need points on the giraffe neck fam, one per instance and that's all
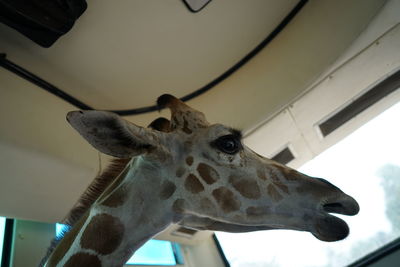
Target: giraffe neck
(124, 217)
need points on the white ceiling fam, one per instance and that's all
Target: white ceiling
(124, 54)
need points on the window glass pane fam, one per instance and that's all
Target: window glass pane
(59, 228)
(2, 227)
(153, 252)
(366, 165)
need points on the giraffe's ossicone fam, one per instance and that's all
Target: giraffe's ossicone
(187, 171)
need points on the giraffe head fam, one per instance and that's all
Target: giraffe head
(211, 180)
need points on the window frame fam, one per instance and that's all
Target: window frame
(7, 242)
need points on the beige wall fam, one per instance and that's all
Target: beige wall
(30, 242)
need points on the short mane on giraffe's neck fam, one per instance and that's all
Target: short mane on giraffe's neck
(98, 237)
(94, 190)
(99, 184)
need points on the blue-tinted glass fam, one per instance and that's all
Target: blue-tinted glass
(2, 227)
(60, 228)
(154, 252)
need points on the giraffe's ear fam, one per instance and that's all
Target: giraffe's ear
(111, 134)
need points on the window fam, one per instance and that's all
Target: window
(365, 165)
(154, 252)
(2, 228)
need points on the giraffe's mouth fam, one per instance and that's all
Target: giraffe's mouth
(346, 206)
(330, 228)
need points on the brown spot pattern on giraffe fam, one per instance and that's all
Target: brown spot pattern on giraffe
(276, 181)
(257, 211)
(281, 186)
(193, 185)
(208, 205)
(175, 123)
(273, 193)
(261, 174)
(179, 205)
(246, 187)
(207, 173)
(167, 190)
(274, 177)
(226, 199)
(65, 243)
(83, 259)
(189, 160)
(288, 173)
(117, 198)
(186, 127)
(103, 234)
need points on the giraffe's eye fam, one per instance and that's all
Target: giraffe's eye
(228, 144)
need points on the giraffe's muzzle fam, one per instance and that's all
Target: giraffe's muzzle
(330, 228)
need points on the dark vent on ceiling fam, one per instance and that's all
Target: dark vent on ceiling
(285, 156)
(185, 232)
(366, 100)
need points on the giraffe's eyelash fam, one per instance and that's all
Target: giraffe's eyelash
(237, 133)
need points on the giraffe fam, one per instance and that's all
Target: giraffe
(189, 172)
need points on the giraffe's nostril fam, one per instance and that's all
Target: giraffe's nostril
(345, 206)
(333, 207)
